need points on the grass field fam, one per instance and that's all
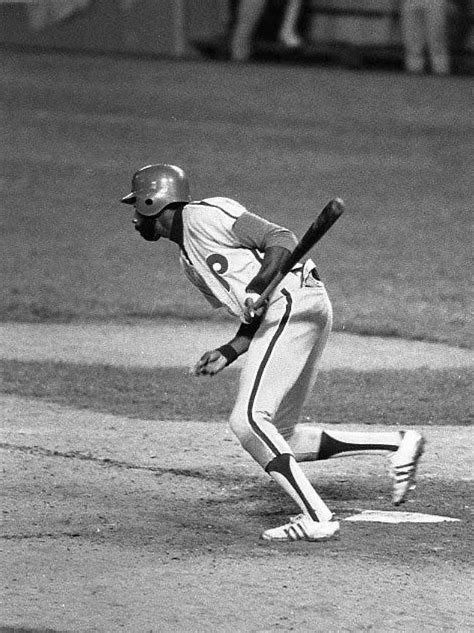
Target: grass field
(281, 139)
(418, 397)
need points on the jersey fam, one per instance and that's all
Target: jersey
(222, 247)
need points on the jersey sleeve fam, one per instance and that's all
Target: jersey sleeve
(255, 232)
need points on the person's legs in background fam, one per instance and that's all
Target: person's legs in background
(437, 40)
(412, 25)
(289, 28)
(247, 16)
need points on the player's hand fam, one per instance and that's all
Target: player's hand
(210, 364)
(250, 313)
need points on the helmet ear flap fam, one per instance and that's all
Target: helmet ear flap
(149, 206)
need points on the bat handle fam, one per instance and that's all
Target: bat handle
(268, 291)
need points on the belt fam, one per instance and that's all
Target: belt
(299, 269)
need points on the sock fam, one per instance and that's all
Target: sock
(288, 474)
(335, 443)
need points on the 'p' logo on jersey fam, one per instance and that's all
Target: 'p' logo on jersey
(218, 265)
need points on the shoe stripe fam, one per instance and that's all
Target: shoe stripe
(289, 533)
(404, 475)
(295, 535)
(304, 532)
(409, 465)
(298, 532)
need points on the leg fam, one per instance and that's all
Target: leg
(285, 340)
(404, 448)
(413, 35)
(307, 441)
(437, 17)
(248, 13)
(310, 443)
(288, 31)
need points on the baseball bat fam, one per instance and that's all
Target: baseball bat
(331, 212)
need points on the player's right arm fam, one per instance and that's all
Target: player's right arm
(274, 242)
(271, 243)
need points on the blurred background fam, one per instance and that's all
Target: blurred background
(356, 33)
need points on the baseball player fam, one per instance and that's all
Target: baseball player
(230, 255)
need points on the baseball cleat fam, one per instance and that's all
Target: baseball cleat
(403, 464)
(302, 528)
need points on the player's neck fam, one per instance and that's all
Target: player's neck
(176, 224)
(165, 222)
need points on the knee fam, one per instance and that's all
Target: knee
(260, 438)
(241, 427)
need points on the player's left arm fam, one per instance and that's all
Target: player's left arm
(214, 361)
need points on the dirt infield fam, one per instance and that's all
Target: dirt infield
(114, 524)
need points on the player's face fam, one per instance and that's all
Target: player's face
(149, 228)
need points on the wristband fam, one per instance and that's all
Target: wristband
(228, 352)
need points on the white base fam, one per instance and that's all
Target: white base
(393, 516)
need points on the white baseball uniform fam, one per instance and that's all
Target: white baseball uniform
(222, 247)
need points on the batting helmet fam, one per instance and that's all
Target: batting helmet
(154, 187)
